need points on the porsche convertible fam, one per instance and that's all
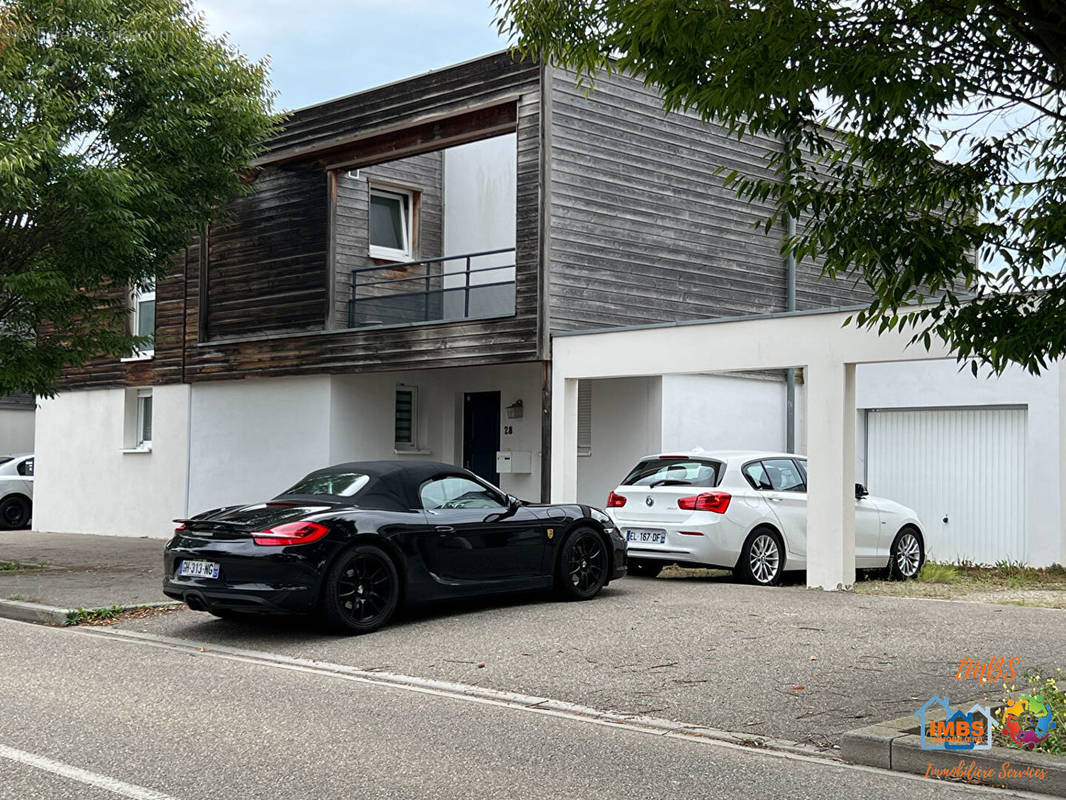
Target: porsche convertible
(356, 541)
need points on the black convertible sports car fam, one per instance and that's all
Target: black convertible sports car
(355, 541)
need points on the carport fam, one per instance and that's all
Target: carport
(817, 341)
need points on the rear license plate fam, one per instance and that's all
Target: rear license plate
(645, 536)
(198, 569)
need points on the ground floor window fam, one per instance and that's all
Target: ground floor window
(138, 421)
(406, 418)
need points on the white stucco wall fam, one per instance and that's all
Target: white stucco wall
(626, 424)
(252, 439)
(16, 430)
(85, 483)
(723, 412)
(941, 384)
(362, 416)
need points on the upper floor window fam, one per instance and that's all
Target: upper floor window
(391, 224)
(142, 301)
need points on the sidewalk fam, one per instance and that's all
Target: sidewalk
(81, 571)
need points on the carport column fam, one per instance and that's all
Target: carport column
(831, 475)
(564, 438)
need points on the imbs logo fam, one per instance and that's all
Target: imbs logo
(958, 730)
(1027, 721)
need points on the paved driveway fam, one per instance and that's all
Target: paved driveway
(697, 650)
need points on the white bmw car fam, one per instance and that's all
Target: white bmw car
(746, 511)
(16, 491)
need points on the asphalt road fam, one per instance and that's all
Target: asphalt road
(81, 709)
(787, 662)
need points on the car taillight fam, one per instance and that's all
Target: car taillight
(180, 528)
(717, 502)
(291, 533)
(615, 500)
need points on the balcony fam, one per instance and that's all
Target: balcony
(446, 289)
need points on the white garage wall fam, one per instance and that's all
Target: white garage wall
(16, 430)
(723, 412)
(941, 384)
(84, 483)
(254, 438)
(626, 424)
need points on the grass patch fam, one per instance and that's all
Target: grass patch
(110, 614)
(78, 616)
(18, 566)
(1005, 583)
(935, 572)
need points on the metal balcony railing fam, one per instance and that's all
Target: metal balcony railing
(441, 291)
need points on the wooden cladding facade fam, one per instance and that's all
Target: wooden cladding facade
(266, 300)
(622, 218)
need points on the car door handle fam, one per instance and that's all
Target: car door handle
(775, 499)
(443, 529)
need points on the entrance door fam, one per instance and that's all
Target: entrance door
(481, 434)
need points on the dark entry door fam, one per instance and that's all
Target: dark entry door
(481, 434)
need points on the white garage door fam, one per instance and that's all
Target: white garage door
(962, 470)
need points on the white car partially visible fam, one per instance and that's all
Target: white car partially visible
(16, 491)
(746, 511)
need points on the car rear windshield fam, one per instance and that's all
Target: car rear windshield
(335, 484)
(674, 472)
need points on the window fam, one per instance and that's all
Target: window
(584, 418)
(674, 472)
(144, 419)
(448, 493)
(784, 475)
(335, 484)
(391, 231)
(757, 476)
(142, 300)
(406, 418)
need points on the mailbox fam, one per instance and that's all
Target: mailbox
(510, 461)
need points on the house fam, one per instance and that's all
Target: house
(391, 286)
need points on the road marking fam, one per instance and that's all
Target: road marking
(697, 734)
(81, 775)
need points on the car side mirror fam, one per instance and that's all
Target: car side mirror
(860, 491)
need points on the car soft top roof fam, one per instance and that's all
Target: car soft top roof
(393, 484)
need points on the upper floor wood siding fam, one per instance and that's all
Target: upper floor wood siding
(642, 228)
(263, 300)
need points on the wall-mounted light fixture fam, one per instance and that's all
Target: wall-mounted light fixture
(514, 411)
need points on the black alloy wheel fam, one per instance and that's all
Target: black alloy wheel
(362, 590)
(583, 563)
(644, 568)
(14, 513)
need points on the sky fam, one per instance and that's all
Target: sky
(321, 49)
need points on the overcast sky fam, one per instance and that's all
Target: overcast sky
(320, 49)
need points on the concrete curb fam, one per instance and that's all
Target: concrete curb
(54, 615)
(896, 745)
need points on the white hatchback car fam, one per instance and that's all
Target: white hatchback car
(746, 511)
(16, 491)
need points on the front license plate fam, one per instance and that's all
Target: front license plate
(645, 537)
(198, 569)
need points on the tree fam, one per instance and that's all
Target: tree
(124, 127)
(917, 134)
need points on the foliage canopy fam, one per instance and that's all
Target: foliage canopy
(916, 134)
(123, 128)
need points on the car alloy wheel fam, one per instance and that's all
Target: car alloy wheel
(762, 559)
(583, 565)
(907, 555)
(362, 591)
